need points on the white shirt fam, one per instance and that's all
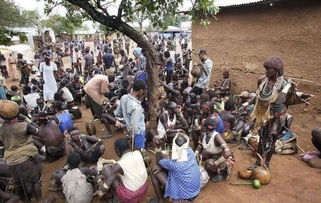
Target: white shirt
(67, 96)
(135, 173)
(204, 80)
(31, 99)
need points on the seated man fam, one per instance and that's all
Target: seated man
(62, 117)
(41, 107)
(49, 139)
(219, 159)
(179, 175)
(128, 176)
(30, 98)
(74, 182)
(167, 123)
(108, 116)
(90, 148)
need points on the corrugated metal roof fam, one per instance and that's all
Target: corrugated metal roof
(237, 3)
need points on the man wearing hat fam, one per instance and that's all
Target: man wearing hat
(20, 154)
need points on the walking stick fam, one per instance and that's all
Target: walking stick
(133, 137)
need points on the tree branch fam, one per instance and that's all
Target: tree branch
(101, 7)
(120, 9)
(140, 8)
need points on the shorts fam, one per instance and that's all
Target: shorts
(139, 140)
(128, 196)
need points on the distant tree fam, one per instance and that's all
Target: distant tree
(10, 17)
(60, 24)
(102, 12)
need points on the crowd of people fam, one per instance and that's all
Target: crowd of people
(197, 123)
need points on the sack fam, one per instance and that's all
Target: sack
(90, 127)
(75, 112)
(204, 176)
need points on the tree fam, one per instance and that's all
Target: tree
(60, 24)
(11, 16)
(175, 20)
(102, 12)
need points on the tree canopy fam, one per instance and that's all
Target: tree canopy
(11, 16)
(60, 24)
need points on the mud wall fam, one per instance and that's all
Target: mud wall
(240, 39)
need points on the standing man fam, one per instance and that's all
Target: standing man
(24, 69)
(131, 110)
(89, 59)
(12, 68)
(96, 88)
(48, 72)
(204, 80)
(108, 59)
(3, 66)
(20, 154)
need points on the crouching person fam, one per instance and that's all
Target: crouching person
(90, 148)
(218, 157)
(74, 183)
(179, 175)
(128, 176)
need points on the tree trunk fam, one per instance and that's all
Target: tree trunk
(118, 24)
(153, 93)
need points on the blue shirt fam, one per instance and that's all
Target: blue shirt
(220, 126)
(108, 60)
(184, 178)
(133, 113)
(65, 121)
(142, 76)
(169, 65)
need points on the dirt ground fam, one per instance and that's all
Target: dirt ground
(292, 180)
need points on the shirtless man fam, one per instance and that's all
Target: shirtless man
(90, 148)
(49, 140)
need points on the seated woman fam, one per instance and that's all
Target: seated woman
(62, 117)
(226, 84)
(167, 123)
(90, 148)
(229, 121)
(128, 176)
(179, 175)
(49, 140)
(219, 160)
